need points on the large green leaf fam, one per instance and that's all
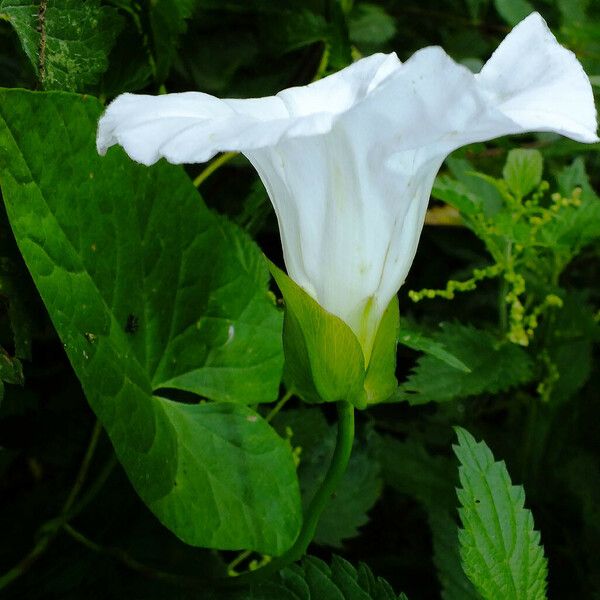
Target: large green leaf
(67, 41)
(150, 290)
(501, 551)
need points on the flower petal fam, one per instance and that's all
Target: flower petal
(339, 92)
(540, 85)
(187, 127)
(192, 127)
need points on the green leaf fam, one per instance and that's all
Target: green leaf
(315, 580)
(495, 365)
(11, 370)
(475, 7)
(168, 20)
(485, 189)
(370, 25)
(149, 290)
(67, 41)
(360, 487)
(574, 329)
(574, 227)
(293, 29)
(410, 469)
(413, 337)
(513, 11)
(523, 171)
(323, 358)
(446, 557)
(501, 551)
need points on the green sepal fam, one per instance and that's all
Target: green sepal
(324, 361)
(380, 380)
(323, 358)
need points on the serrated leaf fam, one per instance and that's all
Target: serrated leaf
(523, 171)
(500, 549)
(67, 41)
(168, 20)
(496, 365)
(446, 556)
(412, 337)
(313, 579)
(410, 469)
(150, 290)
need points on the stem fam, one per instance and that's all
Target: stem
(502, 308)
(132, 563)
(213, 166)
(279, 406)
(237, 560)
(24, 564)
(50, 529)
(84, 468)
(337, 468)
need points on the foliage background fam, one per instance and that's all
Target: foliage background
(535, 404)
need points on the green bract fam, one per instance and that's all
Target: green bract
(324, 361)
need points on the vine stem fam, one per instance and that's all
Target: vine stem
(213, 166)
(51, 528)
(337, 468)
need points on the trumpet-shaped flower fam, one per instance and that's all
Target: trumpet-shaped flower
(349, 161)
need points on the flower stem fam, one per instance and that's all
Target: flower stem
(213, 166)
(337, 468)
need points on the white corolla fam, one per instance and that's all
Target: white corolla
(349, 161)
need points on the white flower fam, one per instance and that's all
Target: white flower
(349, 161)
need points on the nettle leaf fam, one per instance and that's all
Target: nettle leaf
(523, 171)
(315, 580)
(67, 41)
(359, 489)
(413, 337)
(495, 366)
(148, 290)
(446, 557)
(410, 469)
(500, 549)
(168, 20)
